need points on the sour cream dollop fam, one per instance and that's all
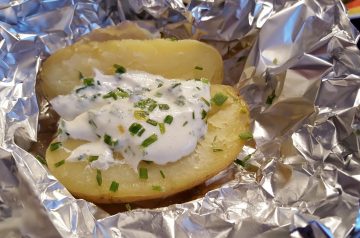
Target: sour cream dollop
(140, 115)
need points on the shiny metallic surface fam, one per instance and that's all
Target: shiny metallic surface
(296, 64)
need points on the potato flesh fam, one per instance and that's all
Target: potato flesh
(60, 72)
(225, 123)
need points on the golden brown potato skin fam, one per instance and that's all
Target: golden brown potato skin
(171, 59)
(225, 123)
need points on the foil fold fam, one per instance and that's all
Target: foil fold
(295, 63)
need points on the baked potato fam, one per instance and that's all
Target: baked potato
(171, 59)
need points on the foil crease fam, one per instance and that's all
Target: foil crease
(295, 63)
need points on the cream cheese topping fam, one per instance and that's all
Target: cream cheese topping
(139, 115)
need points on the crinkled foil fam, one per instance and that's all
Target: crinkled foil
(295, 62)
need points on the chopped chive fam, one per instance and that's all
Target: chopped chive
(135, 128)
(156, 188)
(92, 123)
(148, 141)
(198, 88)
(140, 115)
(110, 94)
(217, 150)
(114, 186)
(205, 101)
(162, 128)
(204, 80)
(198, 68)
(88, 82)
(119, 69)
(164, 107)
(81, 75)
(275, 61)
(180, 101)
(193, 115)
(152, 107)
(143, 173)
(98, 177)
(108, 140)
(185, 123)
(92, 158)
(175, 85)
(219, 99)
(148, 161)
(203, 114)
(271, 98)
(162, 174)
(141, 132)
(243, 161)
(56, 145)
(246, 136)
(128, 207)
(144, 103)
(168, 119)
(41, 159)
(160, 85)
(151, 122)
(158, 94)
(58, 164)
(79, 89)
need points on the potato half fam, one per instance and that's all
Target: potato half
(214, 153)
(171, 59)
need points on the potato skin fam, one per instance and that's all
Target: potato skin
(225, 123)
(171, 59)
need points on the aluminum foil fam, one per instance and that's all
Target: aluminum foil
(296, 64)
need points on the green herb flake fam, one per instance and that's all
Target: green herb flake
(270, 98)
(168, 119)
(164, 107)
(158, 94)
(152, 107)
(217, 150)
(204, 80)
(79, 89)
(81, 76)
(205, 101)
(135, 128)
(114, 186)
(157, 188)
(119, 69)
(162, 174)
(198, 68)
(246, 135)
(160, 85)
(88, 82)
(148, 141)
(58, 164)
(219, 99)
(92, 123)
(128, 207)
(92, 158)
(108, 140)
(41, 159)
(193, 115)
(144, 103)
(203, 114)
(98, 177)
(185, 123)
(151, 122)
(56, 145)
(143, 173)
(175, 85)
(141, 132)
(275, 61)
(148, 161)
(140, 115)
(162, 128)
(243, 161)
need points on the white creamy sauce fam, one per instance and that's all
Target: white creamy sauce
(140, 115)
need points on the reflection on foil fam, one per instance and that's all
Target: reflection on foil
(295, 62)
